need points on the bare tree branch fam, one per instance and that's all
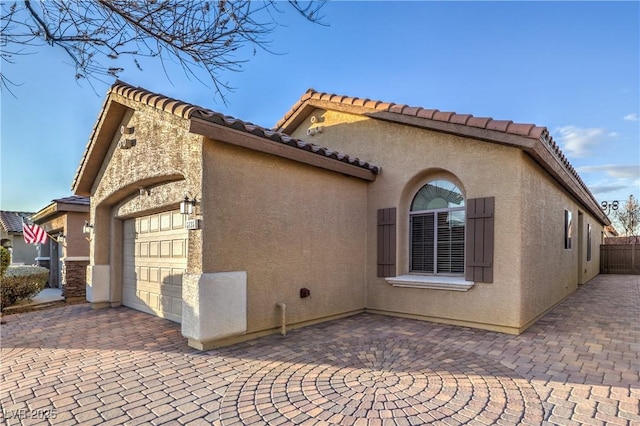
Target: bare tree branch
(199, 35)
(629, 217)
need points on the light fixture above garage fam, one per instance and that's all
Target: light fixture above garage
(87, 228)
(187, 205)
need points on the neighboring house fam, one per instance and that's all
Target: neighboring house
(635, 239)
(455, 219)
(609, 232)
(12, 239)
(68, 254)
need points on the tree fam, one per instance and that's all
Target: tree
(97, 34)
(629, 217)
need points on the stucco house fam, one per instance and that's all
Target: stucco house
(68, 249)
(348, 205)
(11, 237)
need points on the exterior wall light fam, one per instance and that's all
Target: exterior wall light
(187, 205)
(87, 228)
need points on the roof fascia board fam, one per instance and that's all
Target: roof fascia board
(423, 123)
(98, 146)
(300, 114)
(551, 164)
(536, 148)
(50, 210)
(56, 208)
(256, 143)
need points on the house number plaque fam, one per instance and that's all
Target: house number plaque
(192, 224)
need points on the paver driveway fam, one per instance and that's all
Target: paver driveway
(580, 364)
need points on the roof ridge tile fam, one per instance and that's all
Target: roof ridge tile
(460, 118)
(499, 125)
(427, 113)
(531, 131)
(443, 115)
(412, 111)
(397, 108)
(384, 106)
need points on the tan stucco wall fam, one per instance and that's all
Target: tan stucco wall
(76, 243)
(549, 271)
(289, 226)
(410, 157)
(74, 247)
(166, 161)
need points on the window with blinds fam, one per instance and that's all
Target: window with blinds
(437, 222)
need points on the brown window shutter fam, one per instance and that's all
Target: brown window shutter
(479, 240)
(387, 242)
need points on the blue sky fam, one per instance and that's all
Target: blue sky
(573, 67)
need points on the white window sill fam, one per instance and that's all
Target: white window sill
(433, 282)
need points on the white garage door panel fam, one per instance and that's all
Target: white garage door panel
(154, 260)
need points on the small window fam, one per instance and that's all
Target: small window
(437, 222)
(567, 229)
(589, 242)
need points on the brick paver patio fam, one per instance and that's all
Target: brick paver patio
(580, 364)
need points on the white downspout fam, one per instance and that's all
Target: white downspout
(283, 317)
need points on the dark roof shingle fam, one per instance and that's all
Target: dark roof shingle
(73, 199)
(12, 221)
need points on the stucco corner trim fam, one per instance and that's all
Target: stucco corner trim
(98, 284)
(432, 282)
(214, 307)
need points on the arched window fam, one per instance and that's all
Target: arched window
(437, 221)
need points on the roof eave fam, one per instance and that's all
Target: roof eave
(46, 212)
(107, 124)
(542, 154)
(541, 148)
(247, 140)
(56, 209)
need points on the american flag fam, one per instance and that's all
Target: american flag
(33, 234)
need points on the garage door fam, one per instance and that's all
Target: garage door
(154, 260)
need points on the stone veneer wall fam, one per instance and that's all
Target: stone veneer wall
(74, 279)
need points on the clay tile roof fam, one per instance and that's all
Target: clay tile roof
(347, 100)
(360, 102)
(12, 221)
(372, 104)
(411, 111)
(480, 122)
(384, 106)
(460, 118)
(504, 127)
(397, 108)
(499, 125)
(173, 106)
(188, 111)
(247, 127)
(520, 128)
(427, 113)
(442, 116)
